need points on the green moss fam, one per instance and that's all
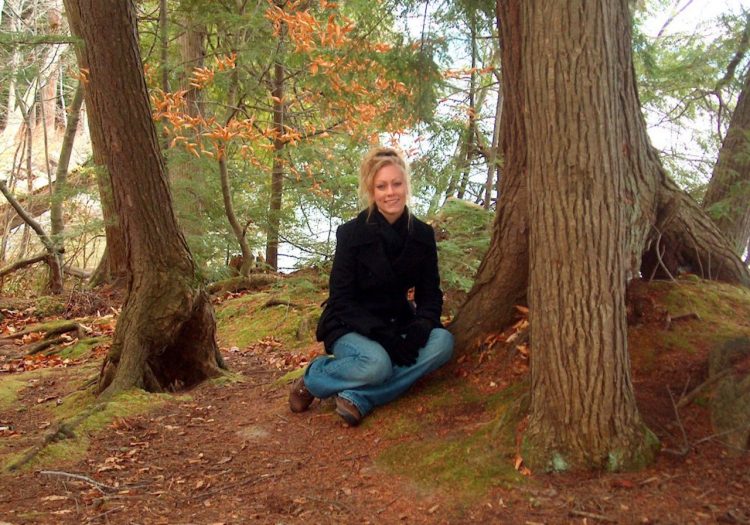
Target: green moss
(48, 325)
(11, 385)
(465, 463)
(246, 320)
(228, 378)
(96, 417)
(49, 305)
(9, 388)
(558, 463)
(83, 347)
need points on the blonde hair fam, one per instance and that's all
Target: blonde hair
(376, 159)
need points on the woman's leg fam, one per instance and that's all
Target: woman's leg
(436, 353)
(358, 362)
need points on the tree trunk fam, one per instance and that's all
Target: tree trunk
(493, 166)
(470, 131)
(165, 336)
(277, 171)
(728, 192)
(583, 410)
(226, 192)
(113, 268)
(658, 212)
(502, 277)
(189, 204)
(59, 191)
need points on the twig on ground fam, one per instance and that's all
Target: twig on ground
(383, 509)
(593, 516)
(686, 443)
(101, 487)
(689, 397)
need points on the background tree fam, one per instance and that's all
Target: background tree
(728, 194)
(165, 334)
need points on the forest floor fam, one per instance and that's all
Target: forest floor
(230, 451)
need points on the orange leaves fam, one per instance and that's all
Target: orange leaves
(304, 30)
(467, 72)
(382, 47)
(82, 76)
(201, 77)
(227, 62)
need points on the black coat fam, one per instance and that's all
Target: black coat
(367, 292)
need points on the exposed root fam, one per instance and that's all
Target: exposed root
(64, 430)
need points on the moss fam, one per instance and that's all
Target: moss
(49, 305)
(11, 385)
(9, 388)
(47, 326)
(465, 463)
(83, 346)
(558, 463)
(228, 378)
(126, 404)
(247, 319)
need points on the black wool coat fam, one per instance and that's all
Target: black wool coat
(367, 293)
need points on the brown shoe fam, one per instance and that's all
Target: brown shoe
(300, 397)
(348, 411)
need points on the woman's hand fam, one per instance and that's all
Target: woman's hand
(400, 352)
(418, 332)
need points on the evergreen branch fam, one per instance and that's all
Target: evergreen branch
(15, 38)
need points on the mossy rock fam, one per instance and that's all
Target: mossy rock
(730, 404)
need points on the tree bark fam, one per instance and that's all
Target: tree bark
(57, 225)
(239, 233)
(502, 277)
(583, 410)
(728, 192)
(277, 170)
(658, 212)
(165, 336)
(470, 147)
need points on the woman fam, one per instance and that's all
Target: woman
(381, 342)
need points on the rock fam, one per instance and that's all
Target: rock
(730, 404)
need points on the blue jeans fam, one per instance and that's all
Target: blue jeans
(361, 370)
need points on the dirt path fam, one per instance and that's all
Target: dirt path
(235, 454)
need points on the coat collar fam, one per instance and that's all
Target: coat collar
(366, 230)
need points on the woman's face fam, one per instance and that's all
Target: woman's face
(389, 192)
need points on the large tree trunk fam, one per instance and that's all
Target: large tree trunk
(659, 214)
(727, 198)
(113, 268)
(583, 410)
(165, 335)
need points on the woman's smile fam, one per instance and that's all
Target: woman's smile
(389, 192)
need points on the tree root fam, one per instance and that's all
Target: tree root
(37, 347)
(61, 329)
(274, 301)
(239, 284)
(64, 430)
